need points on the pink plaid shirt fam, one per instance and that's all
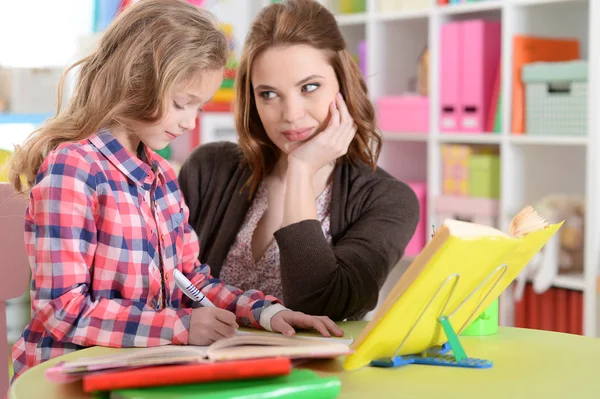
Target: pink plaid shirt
(101, 231)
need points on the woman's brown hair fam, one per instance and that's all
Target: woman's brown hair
(151, 46)
(289, 23)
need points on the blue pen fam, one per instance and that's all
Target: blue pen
(190, 289)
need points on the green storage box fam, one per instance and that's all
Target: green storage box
(556, 98)
(486, 324)
(300, 383)
(484, 176)
(352, 6)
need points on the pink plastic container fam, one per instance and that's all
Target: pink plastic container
(481, 49)
(362, 57)
(450, 55)
(406, 113)
(470, 55)
(419, 239)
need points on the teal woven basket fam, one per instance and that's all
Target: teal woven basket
(556, 98)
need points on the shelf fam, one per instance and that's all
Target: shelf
(541, 2)
(400, 136)
(351, 19)
(548, 140)
(403, 15)
(573, 281)
(466, 8)
(470, 138)
(466, 138)
(569, 281)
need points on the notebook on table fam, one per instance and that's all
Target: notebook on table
(178, 374)
(243, 346)
(299, 384)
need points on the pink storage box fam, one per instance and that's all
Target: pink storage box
(406, 113)
(470, 55)
(419, 239)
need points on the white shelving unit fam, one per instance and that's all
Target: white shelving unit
(531, 166)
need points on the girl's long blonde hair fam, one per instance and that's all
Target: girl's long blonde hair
(151, 45)
(300, 22)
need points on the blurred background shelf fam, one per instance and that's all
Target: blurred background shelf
(532, 167)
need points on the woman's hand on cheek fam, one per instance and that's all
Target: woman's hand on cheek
(331, 143)
(285, 321)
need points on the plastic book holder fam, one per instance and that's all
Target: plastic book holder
(440, 356)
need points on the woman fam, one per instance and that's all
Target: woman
(299, 209)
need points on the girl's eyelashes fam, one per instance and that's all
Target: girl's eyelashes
(182, 107)
(267, 95)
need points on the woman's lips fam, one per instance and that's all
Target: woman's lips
(297, 134)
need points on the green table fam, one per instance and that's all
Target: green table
(527, 364)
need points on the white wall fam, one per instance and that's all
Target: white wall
(42, 33)
(238, 13)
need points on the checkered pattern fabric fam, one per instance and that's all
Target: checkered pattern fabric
(104, 232)
(552, 110)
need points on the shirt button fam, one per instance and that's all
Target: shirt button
(155, 204)
(162, 237)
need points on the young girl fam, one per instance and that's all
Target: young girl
(301, 210)
(107, 225)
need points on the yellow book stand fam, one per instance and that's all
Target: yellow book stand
(459, 273)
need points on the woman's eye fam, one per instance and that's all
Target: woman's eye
(177, 105)
(267, 95)
(307, 88)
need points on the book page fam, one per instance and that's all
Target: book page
(462, 229)
(300, 349)
(247, 345)
(299, 335)
(274, 339)
(526, 221)
(139, 357)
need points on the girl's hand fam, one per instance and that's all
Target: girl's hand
(285, 321)
(328, 145)
(208, 325)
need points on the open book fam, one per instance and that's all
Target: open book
(244, 345)
(528, 220)
(458, 274)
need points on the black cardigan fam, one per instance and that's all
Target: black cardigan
(373, 217)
